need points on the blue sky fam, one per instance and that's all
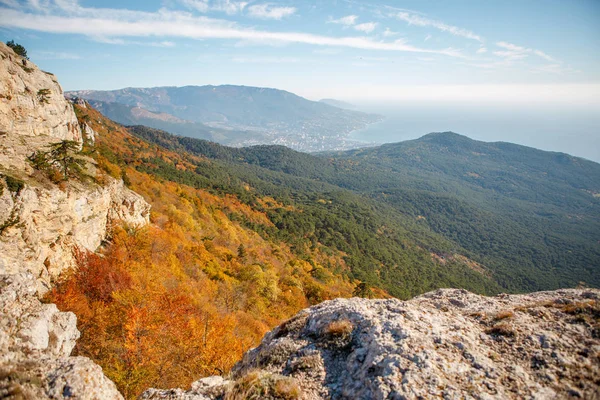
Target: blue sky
(529, 51)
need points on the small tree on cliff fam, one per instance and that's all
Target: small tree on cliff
(17, 48)
(63, 154)
(60, 161)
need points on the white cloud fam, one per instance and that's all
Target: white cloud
(114, 24)
(544, 55)
(366, 27)
(227, 6)
(10, 3)
(199, 5)
(348, 20)
(427, 37)
(267, 11)
(511, 55)
(515, 52)
(482, 50)
(418, 20)
(389, 33)
(164, 43)
(557, 69)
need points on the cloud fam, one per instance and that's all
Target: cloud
(10, 3)
(366, 27)
(427, 37)
(557, 69)
(122, 42)
(267, 11)
(348, 20)
(227, 6)
(482, 50)
(199, 5)
(389, 33)
(514, 52)
(118, 24)
(418, 20)
(543, 55)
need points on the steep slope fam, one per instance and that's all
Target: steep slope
(381, 246)
(45, 217)
(187, 295)
(444, 344)
(530, 217)
(268, 116)
(537, 213)
(41, 222)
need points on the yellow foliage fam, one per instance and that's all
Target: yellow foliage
(172, 302)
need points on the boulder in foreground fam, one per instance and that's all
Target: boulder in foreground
(448, 344)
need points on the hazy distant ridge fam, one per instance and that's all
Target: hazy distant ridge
(268, 116)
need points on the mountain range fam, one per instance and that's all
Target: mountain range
(234, 115)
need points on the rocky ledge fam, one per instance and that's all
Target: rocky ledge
(444, 344)
(35, 343)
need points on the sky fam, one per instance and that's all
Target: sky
(533, 51)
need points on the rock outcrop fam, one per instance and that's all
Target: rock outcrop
(51, 222)
(33, 110)
(35, 343)
(41, 224)
(444, 344)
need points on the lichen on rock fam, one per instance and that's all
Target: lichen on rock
(442, 344)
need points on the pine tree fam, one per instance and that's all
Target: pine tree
(17, 48)
(62, 154)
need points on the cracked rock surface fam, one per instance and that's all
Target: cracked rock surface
(444, 344)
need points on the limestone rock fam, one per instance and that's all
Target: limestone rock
(33, 111)
(52, 222)
(444, 344)
(35, 343)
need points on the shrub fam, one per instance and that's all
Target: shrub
(43, 95)
(506, 314)
(501, 329)
(13, 184)
(260, 385)
(338, 328)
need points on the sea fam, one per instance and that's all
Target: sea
(568, 129)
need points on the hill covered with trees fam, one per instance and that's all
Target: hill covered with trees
(243, 238)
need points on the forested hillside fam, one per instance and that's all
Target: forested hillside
(233, 249)
(532, 218)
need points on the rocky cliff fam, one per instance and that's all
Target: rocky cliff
(444, 344)
(41, 224)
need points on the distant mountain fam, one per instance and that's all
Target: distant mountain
(338, 103)
(133, 115)
(267, 116)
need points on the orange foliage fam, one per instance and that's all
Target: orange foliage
(166, 304)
